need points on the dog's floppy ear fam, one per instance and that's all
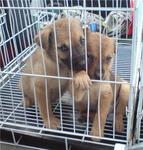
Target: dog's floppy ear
(112, 42)
(44, 37)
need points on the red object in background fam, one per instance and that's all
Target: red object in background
(130, 30)
(6, 56)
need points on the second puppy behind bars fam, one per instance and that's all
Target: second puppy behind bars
(101, 94)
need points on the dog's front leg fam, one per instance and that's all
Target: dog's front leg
(104, 103)
(121, 107)
(50, 121)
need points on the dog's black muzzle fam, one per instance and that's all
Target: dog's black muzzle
(98, 76)
(79, 62)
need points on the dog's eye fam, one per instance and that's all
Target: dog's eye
(63, 48)
(90, 58)
(82, 40)
(108, 58)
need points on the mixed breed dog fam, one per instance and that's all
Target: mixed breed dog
(53, 43)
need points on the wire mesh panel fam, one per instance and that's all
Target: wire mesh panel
(139, 134)
(139, 46)
(51, 52)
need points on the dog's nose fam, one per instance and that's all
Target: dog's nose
(98, 74)
(82, 62)
(79, 63)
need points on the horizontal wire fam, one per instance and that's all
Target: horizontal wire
(71, 8)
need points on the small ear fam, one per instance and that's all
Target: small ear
(112, 42)
(43, 38)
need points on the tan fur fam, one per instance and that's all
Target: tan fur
(107, 91)
(44, 86)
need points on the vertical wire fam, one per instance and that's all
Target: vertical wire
(5, 39)
(58, 72)
(11, 17)
(78, 3)
(133, 74)
(11, 89)
(64, 3)
(120, 34)
(7, 57)
(115, 86)
(32, 71)
(21, 24)
(33, 28)
(88, 94)
(58, 3)
(2, 51)
(71, 3)
(22, 90)
(120, 3)
(19, 67)
(2, 81)
(15, 28)
(140, 109)
(92, 15)
(1, 104)
(106, 10)
(73, 102)
(100, 58)
(29, 35)
(114, 98)
(12, 100)
(66, 144)
(2, 57)
(127, 16)
(45, 73)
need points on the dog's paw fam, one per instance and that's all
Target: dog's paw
(82, 80)
(26, 102)
(119, 126)
(95, 132)
(53, 123)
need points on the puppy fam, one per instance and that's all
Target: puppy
(100, 93)
(55, 44)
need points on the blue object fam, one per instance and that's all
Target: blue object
(93, 27)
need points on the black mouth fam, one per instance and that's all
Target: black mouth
(97, 77)
(90, 59)
(78, 63)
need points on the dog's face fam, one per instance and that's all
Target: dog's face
(101, 60)
(67, 37)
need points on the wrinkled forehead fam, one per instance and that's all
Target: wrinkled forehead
(108, 46)
(69, 28)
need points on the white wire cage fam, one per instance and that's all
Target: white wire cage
(21, 21)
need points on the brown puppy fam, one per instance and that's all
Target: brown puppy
(45, 90)
(100, 94)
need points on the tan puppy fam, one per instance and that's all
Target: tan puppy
(100, 94)
(44, 62)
